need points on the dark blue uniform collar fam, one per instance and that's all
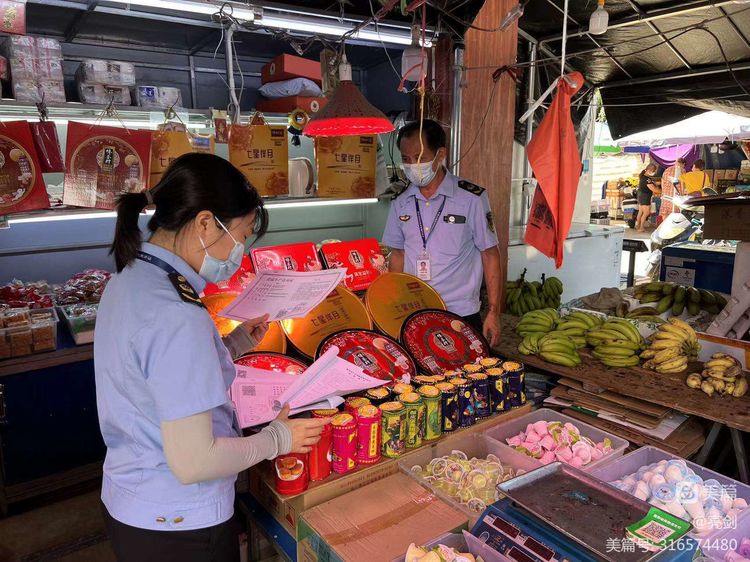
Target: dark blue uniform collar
(195, 280)
(447, 188)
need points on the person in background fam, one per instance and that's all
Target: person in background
(441, 229)
(693, 183)
(646, 189)
(174, 446)
(670, 182)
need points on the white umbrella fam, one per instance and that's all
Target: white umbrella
(711, 127)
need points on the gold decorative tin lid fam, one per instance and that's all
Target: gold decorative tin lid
(477, 376)
(340, 310)
(368, 411)
(472, 368)
(490, 362)
(274, 340)
(378, 392)
(495, 372)
(409, 398)
(216, 303)
(392, 297)
(401, 388)
(429, 391)
(391, 406)
(445, 387)
(342, 420)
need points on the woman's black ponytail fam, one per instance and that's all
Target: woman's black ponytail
(127, 233)
(193, 183)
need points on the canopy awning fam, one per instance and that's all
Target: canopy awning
(711, 127)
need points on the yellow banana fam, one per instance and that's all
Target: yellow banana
(666, 355)
(603, 334)
(720, 363)
(668, 328)
(612, 351)
(680, 361)
(673, 371)
(635, 335)
(648, 354)
(664, 344)
(680, 338)
(685, 327)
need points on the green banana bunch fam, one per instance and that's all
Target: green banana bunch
(616, 343)
(523, 296)
(677, 298)
(537, 321)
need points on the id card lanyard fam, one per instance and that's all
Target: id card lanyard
(424, 269)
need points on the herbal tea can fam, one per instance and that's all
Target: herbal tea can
(516, 393)
(393, 429)
(498, 389)
(291, 473)
(354, 403)
(433, 422)
(482, 407)
(415, 418)
(378, 396)
(321, 454)
(402, 388)
(489, 363)
(368, 434)
(465, 389)
(449, 406)
(344, 428)
(472, 368)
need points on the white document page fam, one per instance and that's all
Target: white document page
(283, 294)
(259, 395)
(329, 377)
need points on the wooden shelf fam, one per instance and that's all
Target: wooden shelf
(46, 360)
(667, 390)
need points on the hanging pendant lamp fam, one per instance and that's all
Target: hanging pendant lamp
(348, 112)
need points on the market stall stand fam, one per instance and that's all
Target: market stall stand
(663, 389)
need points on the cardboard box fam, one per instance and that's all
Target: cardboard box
(346, 166)
(287, 509)
(286, 67)
(287, 257)
(727, 217)
(310, 105)
(362, 259)
(376, 523)
(13, 16)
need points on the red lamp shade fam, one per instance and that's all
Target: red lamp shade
(348, 113)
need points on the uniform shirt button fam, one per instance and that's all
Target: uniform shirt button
(161, 520)
(427, 204)
(178, 519)
(427, 229)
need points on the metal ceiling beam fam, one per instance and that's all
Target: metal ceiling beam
(203, 42)
(651, 15)
(736, 29)
(79, 20)
(550, 53)
(633, 4)
(719, 69)
(591, 38)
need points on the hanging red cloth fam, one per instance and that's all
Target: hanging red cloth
(556, 162)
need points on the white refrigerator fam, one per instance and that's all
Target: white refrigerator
(593, 256)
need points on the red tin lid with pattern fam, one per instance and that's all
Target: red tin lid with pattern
(440, 341)
(272, 362)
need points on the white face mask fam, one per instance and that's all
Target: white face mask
(214, 270)
(420, 174)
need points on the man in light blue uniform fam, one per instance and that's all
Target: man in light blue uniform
(441, 229)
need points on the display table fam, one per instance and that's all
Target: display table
(664, 389)
(285, 510)
(49, 430)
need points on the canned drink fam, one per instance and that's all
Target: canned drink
(393, 429)
(498, 389)
(472, 368)
(368, 435)
(490, 363)
(465, 390)
(449, 406)
(344, 428)
(354, 403)
(516, 393)
(321, 454)
(482, 408)
(402, 388)
(378, 396)
(291, 474)
(433, 411)
(415, 418)
(320, 414)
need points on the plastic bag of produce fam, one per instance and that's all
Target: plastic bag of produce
(47, 146)
(21, 183)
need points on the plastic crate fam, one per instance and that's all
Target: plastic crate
(464, 543)
(725, 541)
(630, 463)
(514, 427)
(27, 332)
(473, 445)
(81, 321)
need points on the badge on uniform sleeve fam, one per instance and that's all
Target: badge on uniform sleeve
(490, 222)
(404, 218)
(185, 289)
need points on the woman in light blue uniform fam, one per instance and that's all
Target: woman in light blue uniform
(162, 371)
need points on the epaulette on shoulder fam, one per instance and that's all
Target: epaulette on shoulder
(470, 187)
